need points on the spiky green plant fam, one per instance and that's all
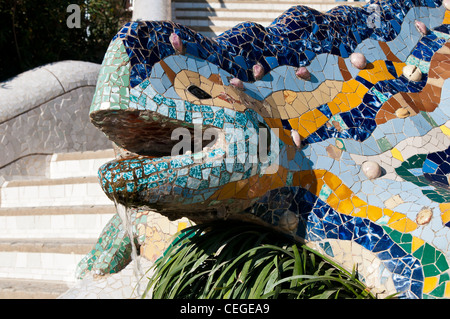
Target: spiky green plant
(241, 261)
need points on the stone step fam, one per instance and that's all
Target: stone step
(258, 4)
(217, 14)
(253, 9)
(47, 245)
(31, 289)
(226, 22)
(269, 12)
(71, 191)
(42, 260)
(54, 222)
(213, 17)
(78, 164)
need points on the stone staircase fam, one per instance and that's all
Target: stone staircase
(213, 17)
(48, 224)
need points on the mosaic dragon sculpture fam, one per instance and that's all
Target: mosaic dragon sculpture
(330, 127)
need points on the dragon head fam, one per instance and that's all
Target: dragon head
(193, 120)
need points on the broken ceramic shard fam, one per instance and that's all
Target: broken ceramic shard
(237, 83)
(177, 43)
(296, 138)
(421, 27)
(371, 169)
(447, 4)
(303, 73)
(258, 71)
(358, 60)
(424, 216)
(288, 221)
(412, 73)
(402, 113)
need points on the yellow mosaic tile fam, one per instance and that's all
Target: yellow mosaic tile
(430, 283)
(333, 201)
(342, 102)
(343, 192)
(387, 212)
(396, 154)
(350, 86)
(447, 287)
(445, 130)
(346, 206)
(334, 108)
(417, 243)
(306, 128)
(404, 225)
(447, 17)
(445, 212)
(355, 99)
(396, 217)
(410, 225)
(399, 68)
(181, 226)
(332, 180)
(374, 213)
(310, 122)
(360, 212)
(293, 122)
(344, 201)
(357, 202)
(361, 92)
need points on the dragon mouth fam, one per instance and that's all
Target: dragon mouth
(147, 134)
(152, 176)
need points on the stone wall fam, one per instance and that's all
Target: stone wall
(45, 111)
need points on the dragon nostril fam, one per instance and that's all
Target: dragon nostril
(198, 92)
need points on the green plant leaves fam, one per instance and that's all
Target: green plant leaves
(243, 261)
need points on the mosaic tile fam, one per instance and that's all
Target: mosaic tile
(292, 87)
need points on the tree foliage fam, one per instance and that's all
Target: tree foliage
(34, 33)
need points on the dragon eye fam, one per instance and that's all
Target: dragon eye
(198, 92)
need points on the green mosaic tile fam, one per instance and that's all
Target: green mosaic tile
(384, 144)
(429, 119)
(113, 80)
(444, 277)
(441, 262)
(430, 270)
